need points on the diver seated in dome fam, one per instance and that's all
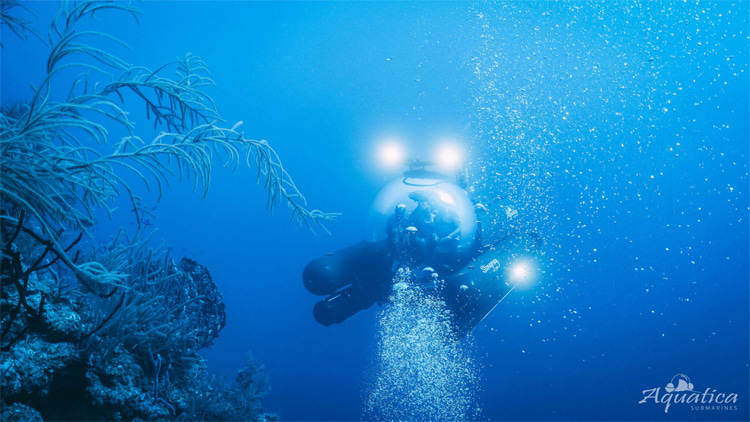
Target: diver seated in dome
(401, 236)
(407, 250)
(429, 235)
(406, 244)
(422, 218)
(448, 232)
(438, 224)
(447, 223)
(395, 226)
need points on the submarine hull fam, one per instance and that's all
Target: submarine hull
(342, 305)
(354, 278)
(360, 275)
(474, 291)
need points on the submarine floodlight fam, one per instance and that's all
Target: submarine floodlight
(449, 157)
(521, 272)
(391, 154)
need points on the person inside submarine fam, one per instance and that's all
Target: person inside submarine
(423, 222)
(427, 223)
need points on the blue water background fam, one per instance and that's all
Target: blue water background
(637, 113)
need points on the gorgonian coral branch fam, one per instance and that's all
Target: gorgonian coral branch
(54, 170)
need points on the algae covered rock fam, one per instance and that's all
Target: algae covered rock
(118, 387)
(204, 312)
(19, 412)
(61, 322)
(29, 365)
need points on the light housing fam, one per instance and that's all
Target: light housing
(521, 272)
(391, 154)
(449, 157)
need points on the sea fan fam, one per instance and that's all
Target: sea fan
(60, 166)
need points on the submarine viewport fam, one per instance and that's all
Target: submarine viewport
(446, 201)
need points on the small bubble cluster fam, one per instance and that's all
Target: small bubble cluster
(422, 371)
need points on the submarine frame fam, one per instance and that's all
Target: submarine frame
(477, 278)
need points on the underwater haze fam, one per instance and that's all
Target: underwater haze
(618, 131)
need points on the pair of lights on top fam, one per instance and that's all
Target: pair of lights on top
(392, 154)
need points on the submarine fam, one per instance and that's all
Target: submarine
(426, 222)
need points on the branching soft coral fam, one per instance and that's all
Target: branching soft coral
(55, 168)
(134, 318)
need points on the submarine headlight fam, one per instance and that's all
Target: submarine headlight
(521, 272)
(449, 157)
(391, 154)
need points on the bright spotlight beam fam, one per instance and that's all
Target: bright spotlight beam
(521, 272)
(449, 157)
(391, 154)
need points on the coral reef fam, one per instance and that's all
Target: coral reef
(205, 317)
(131, 356)
(111, 331)
(19, 412)
(29, 365)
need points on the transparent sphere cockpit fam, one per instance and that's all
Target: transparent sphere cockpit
(444, 204)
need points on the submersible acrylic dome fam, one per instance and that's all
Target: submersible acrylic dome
(407, 191)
